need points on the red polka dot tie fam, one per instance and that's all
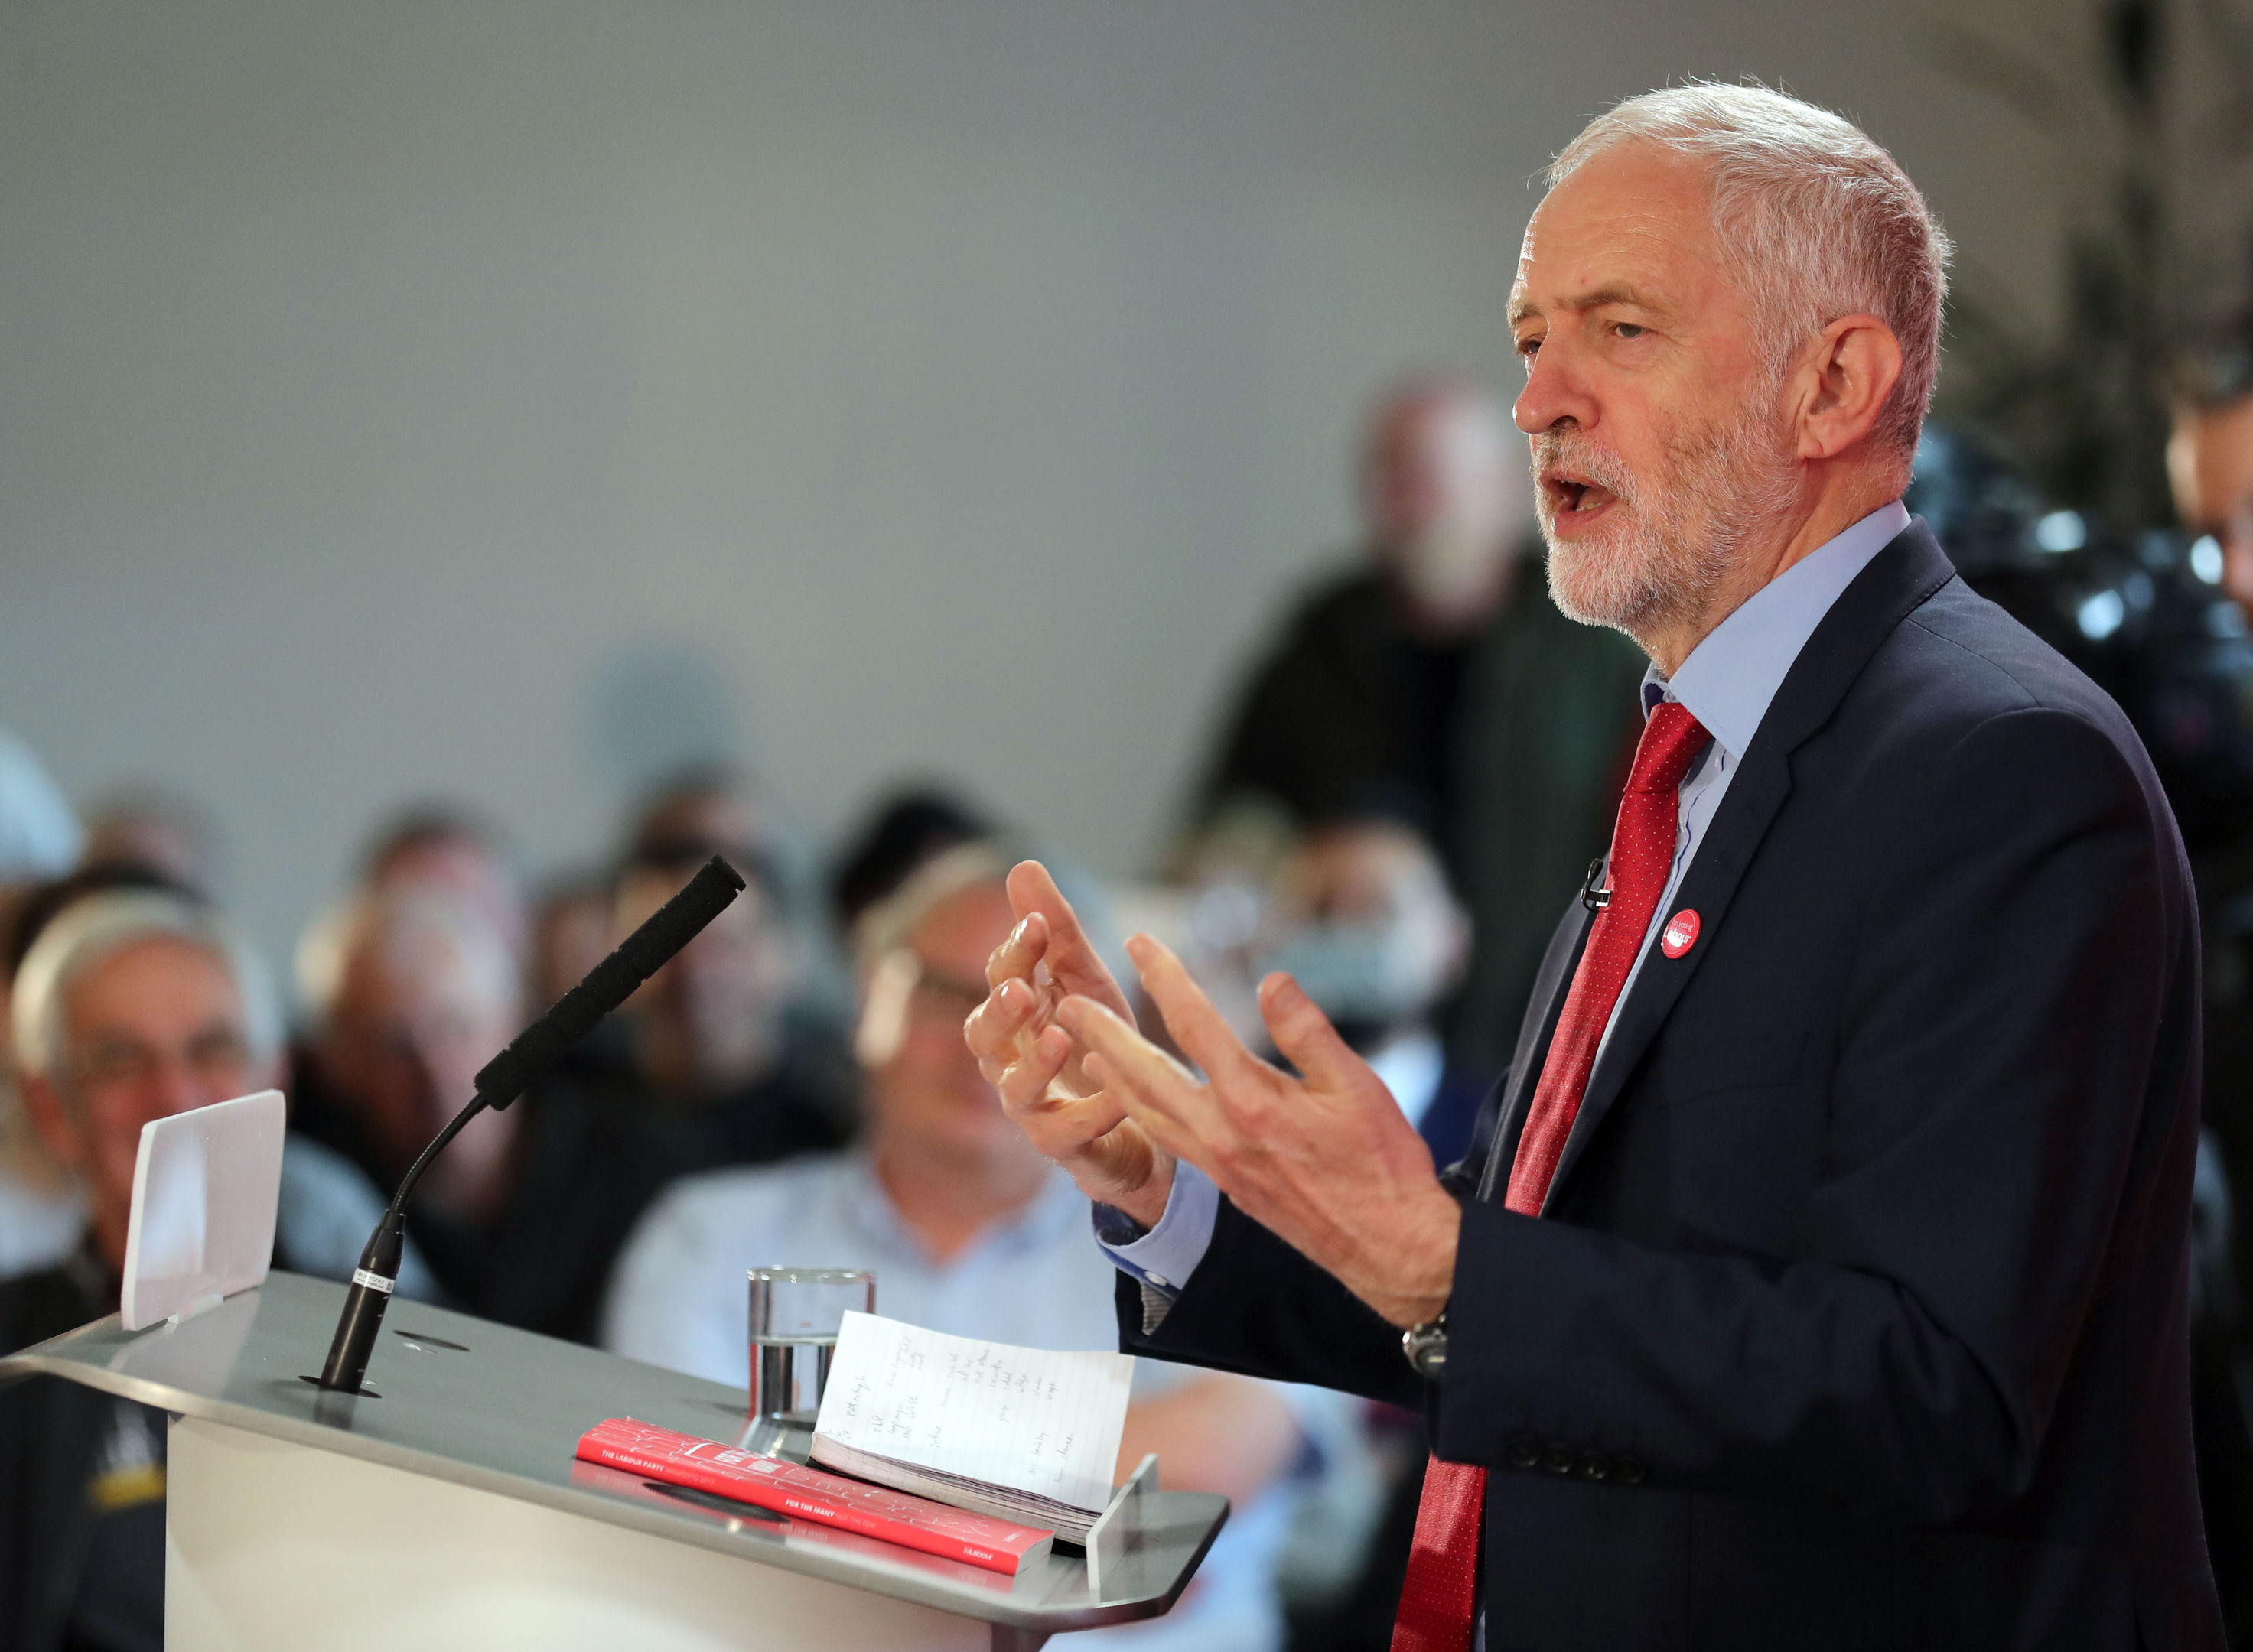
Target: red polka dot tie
(1441, 1594)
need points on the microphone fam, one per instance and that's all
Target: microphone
(507, 1075)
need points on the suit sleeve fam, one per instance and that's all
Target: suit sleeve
(1257, 1307)
(1999, 1031)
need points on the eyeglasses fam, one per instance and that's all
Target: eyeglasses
(217, 1053)
(945, 997)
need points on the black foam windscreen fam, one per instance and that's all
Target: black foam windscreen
(609, 983)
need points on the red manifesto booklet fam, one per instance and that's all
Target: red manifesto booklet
(914, 1522)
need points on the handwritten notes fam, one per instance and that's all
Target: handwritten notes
(1022, 1420)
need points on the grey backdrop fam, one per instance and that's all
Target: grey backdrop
(507, 401)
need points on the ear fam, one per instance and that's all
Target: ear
(55, 1127)
(1847, 377)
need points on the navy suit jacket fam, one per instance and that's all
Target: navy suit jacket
(1856, 1316)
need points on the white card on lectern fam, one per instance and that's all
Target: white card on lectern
(206, 1187)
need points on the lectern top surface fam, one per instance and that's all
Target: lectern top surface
(482, 1404)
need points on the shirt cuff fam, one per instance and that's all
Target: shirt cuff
(1165, 1257)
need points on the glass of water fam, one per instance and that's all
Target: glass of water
(796, 1313)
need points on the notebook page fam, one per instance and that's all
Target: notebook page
(1023, 1417)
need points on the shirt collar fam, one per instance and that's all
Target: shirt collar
(1731, 677)
(1059, 1206)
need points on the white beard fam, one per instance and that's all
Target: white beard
(1674, 541)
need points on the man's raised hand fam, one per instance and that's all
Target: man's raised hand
(1039, 1066)
(1326, 1161)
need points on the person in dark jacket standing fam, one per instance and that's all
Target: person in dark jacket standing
(1436, 683)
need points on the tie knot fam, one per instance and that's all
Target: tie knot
(1671, 737)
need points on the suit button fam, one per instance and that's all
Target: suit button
(1521, 1453)
(1630, 1471)
(1557, 1459)
(1594, 1468)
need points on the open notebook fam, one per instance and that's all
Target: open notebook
(1018, 1433)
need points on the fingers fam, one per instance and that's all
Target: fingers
(1166, 1133)
(994, 1030)
(1071, 958)
(1304, 1036)
(1030, 1093)
(1014, 958)
(1202, 1031)
(1147, 1080)
(1023, 1071)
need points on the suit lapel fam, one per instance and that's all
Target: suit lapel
(1534, 1032)
(1899, 580)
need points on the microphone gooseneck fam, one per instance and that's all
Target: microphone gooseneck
(507, 1075)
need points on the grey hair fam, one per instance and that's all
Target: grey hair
(885, 926)
(1816, 219)
(95, 927)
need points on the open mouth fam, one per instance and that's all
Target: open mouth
(1575, 500)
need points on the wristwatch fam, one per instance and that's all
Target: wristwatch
(1425, 1345)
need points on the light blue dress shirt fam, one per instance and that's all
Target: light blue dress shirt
(1727, 683)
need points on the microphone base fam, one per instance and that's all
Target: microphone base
(349, 1393)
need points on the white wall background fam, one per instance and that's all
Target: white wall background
(507, 401)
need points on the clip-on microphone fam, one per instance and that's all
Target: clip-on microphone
(506, 1077)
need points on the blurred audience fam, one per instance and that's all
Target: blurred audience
(2210, 465)
(39, 835)
(41, 1203)
(570, 935)
(1437, 683)
(131, 1004)
(156, 830)
(412, 990)
(444, 848)
(709, 807)
(1361, 916)
(968, 1232)
(2210, 452)
(712, 1045)
(709, 1024)
(705, 806)
(911, 826)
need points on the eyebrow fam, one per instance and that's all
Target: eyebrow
(1616, 294)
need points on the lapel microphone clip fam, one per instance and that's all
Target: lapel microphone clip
(1593, 895)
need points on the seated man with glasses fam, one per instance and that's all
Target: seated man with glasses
(132, 1004)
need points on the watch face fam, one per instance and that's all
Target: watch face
(1427, 1348)
(1431, 1356)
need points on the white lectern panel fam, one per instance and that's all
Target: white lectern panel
(271, 1546)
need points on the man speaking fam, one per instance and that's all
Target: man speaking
(1818, 1278)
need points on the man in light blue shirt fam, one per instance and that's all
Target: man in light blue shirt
(970, 1231)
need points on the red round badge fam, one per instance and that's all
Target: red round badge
(1680, 933)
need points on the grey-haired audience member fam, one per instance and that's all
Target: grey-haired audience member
(131, 1005)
